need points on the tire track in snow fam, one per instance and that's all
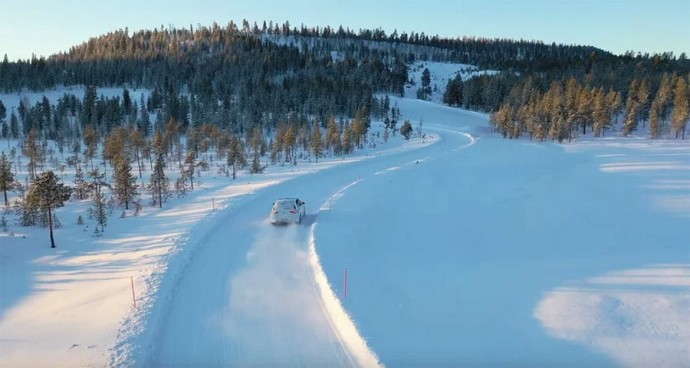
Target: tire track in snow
(341, 323)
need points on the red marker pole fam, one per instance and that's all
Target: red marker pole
(345, 285)
(134, 300)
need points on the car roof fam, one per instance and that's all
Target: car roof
(285, 199)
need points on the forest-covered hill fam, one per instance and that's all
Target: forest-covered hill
(238, 77)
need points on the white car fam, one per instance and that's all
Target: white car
(287, 210)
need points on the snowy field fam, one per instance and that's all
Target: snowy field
(507, 253)
(460, 249)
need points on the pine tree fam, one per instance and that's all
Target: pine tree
(347, 139)
(357, 128)
(138, 143)
(332, 133)
(277, 146)
(406, 129)
(223, 144)
(14, 126)
(681, 110)
(98, 212)
(33, 151)
(613, 99)
(426, 84)
(189, 167)
(180, 187)
(654, 125)
(663, 97)
(158, 144)
(172, 136)
(91, 143)
(289, 141)
(3, 116)
(125, 188)
(6, 176)
(257, 142)
(502, 119)
(316, 140)
(630, 124)
(643, 102)
(236, 158)
(97, 181)
(599, 113)
(453, 94)
(126, 101)
(304, 139)
(584, 109)
(46, 193)
(159, 186)
(3, 111)
(557, 132)
(89, 112)
(80, 185)
(114, 146)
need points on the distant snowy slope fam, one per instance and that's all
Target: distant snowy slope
(440, 74)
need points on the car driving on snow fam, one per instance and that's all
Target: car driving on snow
(287, 210)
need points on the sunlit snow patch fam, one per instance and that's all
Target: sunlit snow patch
(640, 318)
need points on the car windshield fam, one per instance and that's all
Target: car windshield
(283, 205)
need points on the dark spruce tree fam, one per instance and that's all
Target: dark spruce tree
(6, 176)
(159, 185)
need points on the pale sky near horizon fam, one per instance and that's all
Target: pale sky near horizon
(45, 27)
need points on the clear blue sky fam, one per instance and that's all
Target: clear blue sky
(45, 27)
